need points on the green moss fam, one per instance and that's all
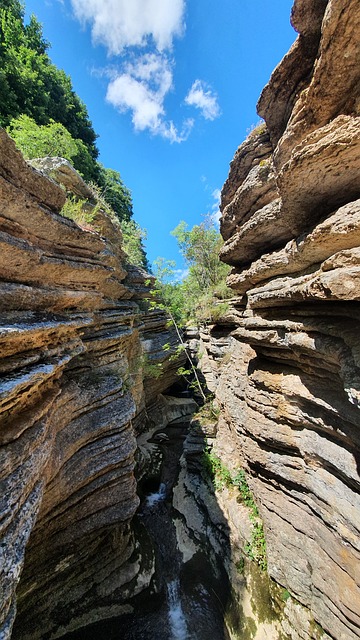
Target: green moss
(264, 162)
(285, 595)
(209, 412)
(316, 630)
(242, 627)
(240, 566)
(250, 628)
(260, 594)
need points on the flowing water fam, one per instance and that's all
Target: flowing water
(184, 603)
(157, 496)
(177, 618)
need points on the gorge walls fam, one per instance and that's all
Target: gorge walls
(285, 360)
(78, 404)
(72, 402)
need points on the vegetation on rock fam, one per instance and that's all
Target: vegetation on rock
(51, 139)
(222, 477)
(31, 84)
(199, 296)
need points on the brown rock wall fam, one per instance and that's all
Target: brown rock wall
(72, 340)
(289, 388)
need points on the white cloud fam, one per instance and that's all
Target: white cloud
(125, 92)
(118, 24)
(170, 132)
(202, 97)
(215, 209)
(180, 274)
(141, 89)
(140, 86)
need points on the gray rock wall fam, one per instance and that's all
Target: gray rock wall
(72, 402)
(289, 388)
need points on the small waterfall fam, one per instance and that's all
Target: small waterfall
(176, 615)
(158, 496)
(182, 601)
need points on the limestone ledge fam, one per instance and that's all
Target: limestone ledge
(72, 339)
(284, 361)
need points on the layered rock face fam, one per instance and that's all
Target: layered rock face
(72, 343)
(290, 386)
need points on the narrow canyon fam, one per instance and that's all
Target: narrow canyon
(111, 524)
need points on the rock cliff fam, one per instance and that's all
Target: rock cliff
(285, 360)
(72, 402)
(78, 406)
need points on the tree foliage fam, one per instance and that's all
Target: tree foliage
(133, 238)
(30, 84)
(200, 247)
(52, 139)
(116, 194)
(197, 297)
(170, 292)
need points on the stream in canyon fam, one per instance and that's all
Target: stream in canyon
(184, 601)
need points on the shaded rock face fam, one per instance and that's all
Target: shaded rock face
(290, 386)
(72, 402)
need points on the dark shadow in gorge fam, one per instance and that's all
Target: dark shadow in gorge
(185, 600)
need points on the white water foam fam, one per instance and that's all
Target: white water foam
(158, 496)
(176, 614)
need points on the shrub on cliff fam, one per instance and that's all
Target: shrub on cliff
(133, 239)
(52, 139)
(197, 298)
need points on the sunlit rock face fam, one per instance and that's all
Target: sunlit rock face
(290, 386)
(72, 342)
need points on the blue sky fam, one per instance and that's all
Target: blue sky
(171, 88)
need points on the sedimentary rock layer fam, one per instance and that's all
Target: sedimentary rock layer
(73, 340)
(290, 414)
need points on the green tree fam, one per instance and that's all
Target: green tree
(115, 193)
(172, 293)
(133, 239)
(200, 247)
(168, 295)
(46, 117)
(30, 84)
(206, 281)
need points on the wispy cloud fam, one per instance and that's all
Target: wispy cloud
(140, 86)
(215, 208)
(204, 98)
(119, 24)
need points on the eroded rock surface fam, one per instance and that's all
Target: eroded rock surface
(289, 386)
(72, 401)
